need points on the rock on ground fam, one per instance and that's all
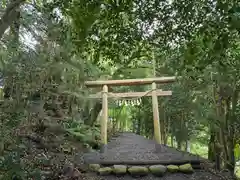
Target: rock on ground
(158, 170)
(138, 170)
(120, 169)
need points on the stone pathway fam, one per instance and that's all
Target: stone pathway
(131, 147)
(198, 175)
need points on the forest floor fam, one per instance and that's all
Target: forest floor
(59, 156)
(54, 152)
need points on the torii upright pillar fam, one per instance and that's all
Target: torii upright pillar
(156, 121)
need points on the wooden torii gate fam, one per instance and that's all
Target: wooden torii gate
(105, 84)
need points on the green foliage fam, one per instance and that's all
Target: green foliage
(84, 133)
(76, 41)
(237, 151)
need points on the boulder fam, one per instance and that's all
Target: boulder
(138, 170)
(119, 169)
(105, 171)
(158, 170)
(186, 168)
(172, 168)
(94, 167)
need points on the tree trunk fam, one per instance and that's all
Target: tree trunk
(10, 89)
(172, 140)
(167, 129)
(219, 146)
(93, 114)
(211, 150)
(126, 124)
(10, 15)
(118, 124)
(179, 144)
(164, 127)
(187, 147)
(15, 27)
(138, 126)
(231, 115)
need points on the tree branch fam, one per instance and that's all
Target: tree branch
(9, 16)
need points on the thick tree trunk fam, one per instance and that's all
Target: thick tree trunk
(10, 15)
